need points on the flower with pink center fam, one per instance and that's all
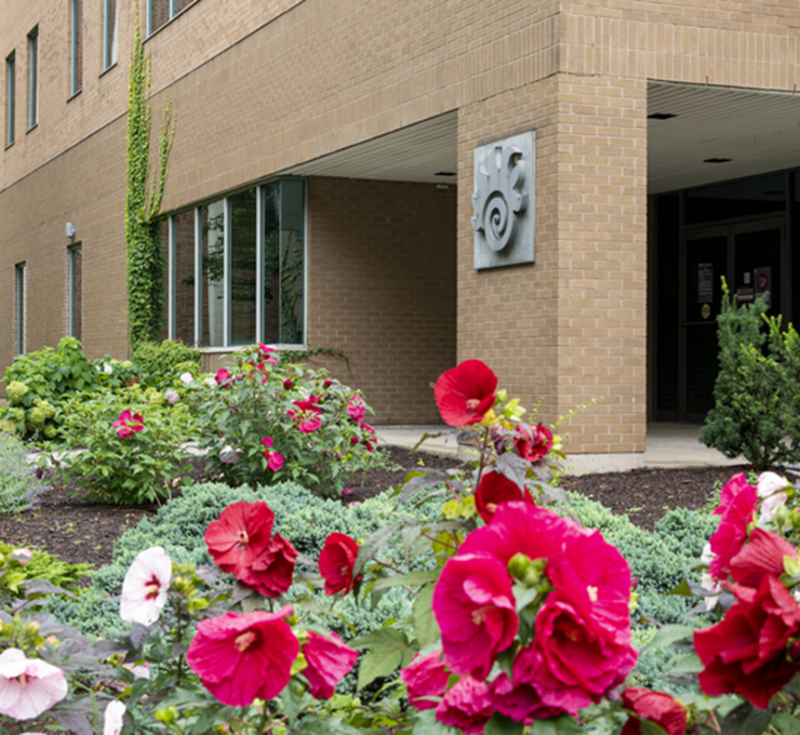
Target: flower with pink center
(112, 720)
(270, 574)
(474, 606)
(229, 455)
(770, 505)
(172, 397)
(243, 657)
(770, 483)
(21, 556)
(356, 409)
(425, 677)
(28, 687)
(274, 459)
(465, 394)
(467, 706)
(329, 661)
(128, 424)
(145, 587)
(737, 507)
(240, 534)
(186, 378)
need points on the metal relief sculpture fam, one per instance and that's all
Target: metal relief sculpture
(503, 202)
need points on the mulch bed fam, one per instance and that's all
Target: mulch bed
(78, 530)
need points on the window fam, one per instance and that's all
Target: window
(10, 99)
(33, 78)
(236, 269)
(75, 307)
(161, 12)
(110, 14)
(76, 47)
(19, 298)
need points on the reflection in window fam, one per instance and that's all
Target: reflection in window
(232, 284)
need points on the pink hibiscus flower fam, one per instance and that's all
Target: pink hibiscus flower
(465, 394)
(274, 459)
(425, 677)
(356, 409)
(243, 657)
(738, 502)
(145, 587)
(128, 424)
(223, 377)
(28, 687)
(307, 415)
(329, 661)
(474, 607)
(240, 535)
(467, 706)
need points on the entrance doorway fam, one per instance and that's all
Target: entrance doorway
(753, 258)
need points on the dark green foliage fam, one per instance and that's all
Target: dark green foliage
(159, 364)
(37, 382)
(757, 393)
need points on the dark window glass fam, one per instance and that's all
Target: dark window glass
(243, 268)
(75, 293)
(33, 77)
(183, 233)
(10, 99)
(76, 46)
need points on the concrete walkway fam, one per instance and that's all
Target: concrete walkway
(669, 445)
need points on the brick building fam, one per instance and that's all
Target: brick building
(321, 188)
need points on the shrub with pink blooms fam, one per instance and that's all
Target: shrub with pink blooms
(264, 421)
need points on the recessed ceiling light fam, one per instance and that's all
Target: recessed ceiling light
(717, 160)
(660, 116)
(445, 173)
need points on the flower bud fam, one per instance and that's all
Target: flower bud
(32, 628)
(21, 556)
(168, 715)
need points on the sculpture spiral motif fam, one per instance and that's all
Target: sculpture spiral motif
(497, 199)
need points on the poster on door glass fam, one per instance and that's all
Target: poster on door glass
(763, 283)
(705, 283)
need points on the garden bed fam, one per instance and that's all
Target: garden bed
(77, 530)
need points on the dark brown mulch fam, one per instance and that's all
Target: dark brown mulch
(78, 530)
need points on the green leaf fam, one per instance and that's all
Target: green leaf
(563, 725)
(670, 634)
(294, 699)
(425, 625)
(786, 724)
(746, 720)
(502, 725)
(648, 727)
(380, 661)
(688, 664)
(412, 579)
(427, 724)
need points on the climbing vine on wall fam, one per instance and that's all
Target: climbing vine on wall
(145, 260)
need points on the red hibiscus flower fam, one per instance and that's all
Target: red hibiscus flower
(467, 706)
(494, 489)
(474, 607)
(336, 562)
(223, 377)
(425, 677)
(655, 707)
(243, 657)
(533, 442)
(746, 652)
(519, 700)
(329, 661)
(270, 574)
(369, 440)
(240, 535)
(738, 503)
(128, 424)
(762, 555)
(465, 394)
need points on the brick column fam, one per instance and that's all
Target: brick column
(571, 327)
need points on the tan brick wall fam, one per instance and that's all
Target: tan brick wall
(382, 289)
(571, 327)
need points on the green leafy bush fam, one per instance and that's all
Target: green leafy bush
(19, 485)
(18, 565)
(320, 440)
(36, 384)
(120, 469)
(757, 392)
(160, 364)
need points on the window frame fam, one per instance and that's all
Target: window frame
(20, 273)
(73, 317)
(227, 345)
(10, 97)
(110, 50)
(172, 15)
(33, 78)
(76, 48)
